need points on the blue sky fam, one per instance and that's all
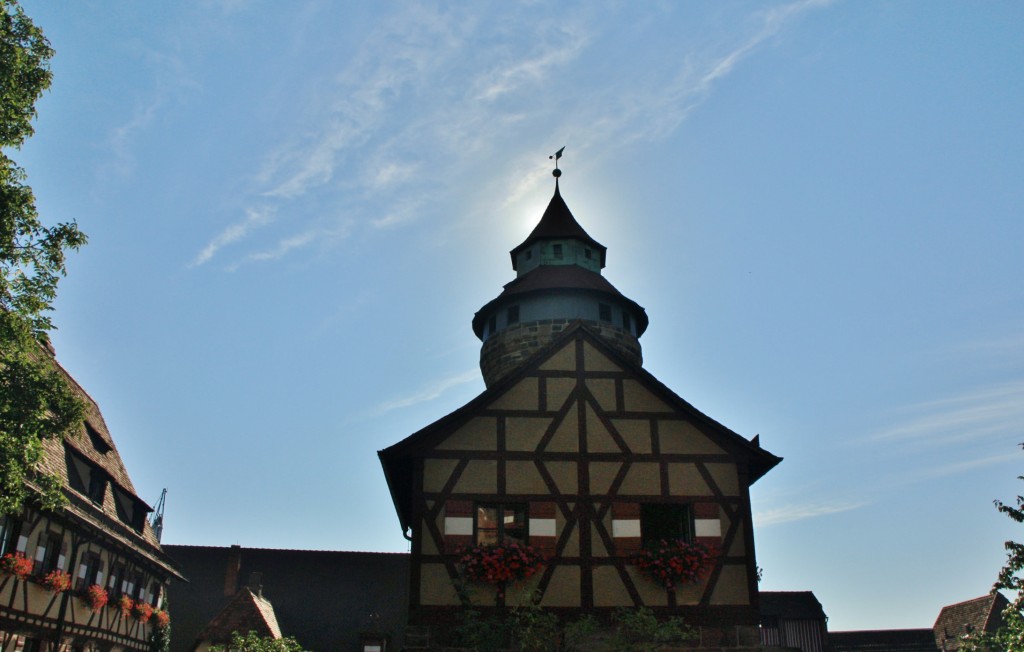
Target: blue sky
(296, 208)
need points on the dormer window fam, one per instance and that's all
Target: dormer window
(604, 312)
(528, 254)
(626, 322)
(492, 325)
(557, 250)
(512, 316)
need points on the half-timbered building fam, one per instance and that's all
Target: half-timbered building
(92, 575)
(576, 450)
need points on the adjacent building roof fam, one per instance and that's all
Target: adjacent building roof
(321, 598)
(957, 620)
(246, 612)
(883, 640)
(94, 443)
(791, 604)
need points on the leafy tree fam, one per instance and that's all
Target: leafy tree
(35, 400)
(253, 642)
(1010, 636)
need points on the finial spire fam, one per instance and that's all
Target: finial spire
(557, 155)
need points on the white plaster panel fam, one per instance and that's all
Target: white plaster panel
(626, 528)
(460, 525)
(708, 527)
(542, 527)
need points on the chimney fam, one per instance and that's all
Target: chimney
(231, 571)
(256, 583)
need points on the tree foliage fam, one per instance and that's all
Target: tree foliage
(253, 642)
(1010, 636)
(35, 400)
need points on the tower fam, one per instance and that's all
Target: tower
(577, 452)
(558, 281)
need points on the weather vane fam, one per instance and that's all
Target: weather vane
(557, 155)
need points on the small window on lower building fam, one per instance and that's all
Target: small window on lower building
(500, 524)
(587, 254)
(665, 522)
(512, 315)
(557, 250)
(10, 528)
(604, 312)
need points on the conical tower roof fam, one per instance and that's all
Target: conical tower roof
(557, 222)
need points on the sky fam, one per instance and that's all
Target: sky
(295, 209)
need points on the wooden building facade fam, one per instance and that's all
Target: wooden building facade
(91, 576)
(576, 450)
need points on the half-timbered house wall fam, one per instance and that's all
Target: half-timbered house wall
(101, 537)
(583, 441)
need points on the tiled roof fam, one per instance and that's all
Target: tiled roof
(94, 443)
(246, 612)
(956, 620)
(883, 640)
(790, 604)
(558, 222)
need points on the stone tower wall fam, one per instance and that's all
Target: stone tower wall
(508, 349)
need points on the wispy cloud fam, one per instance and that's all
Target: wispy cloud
(422, 102)
(253, 219)
(790, 513)
(987, 412)
(428, 393)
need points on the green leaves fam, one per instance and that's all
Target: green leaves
(35, 400)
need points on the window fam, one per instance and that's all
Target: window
(97, 440)
(626, 322)
(528, 254)
(604, 312)
(513, 315)
(114, 586)
(492, 325)
(97, 487)
(586, 253)
(498, 524)
(10, 528)
(557, 250)
(666, 522)
(48, 555)
(89, 571)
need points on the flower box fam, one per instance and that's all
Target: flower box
(96, 597)
(125, 604)
(57, 581)
(15, 563)
(161, 618)
(677, 562)
(499, 564)
(142, 611)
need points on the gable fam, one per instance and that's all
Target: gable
(577, 392)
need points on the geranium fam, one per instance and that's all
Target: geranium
(96, 597)
(500, 564)
(676, 562)
(161, 618)
(125, 604)
(142, 611)
(15, 563)
(57, 581)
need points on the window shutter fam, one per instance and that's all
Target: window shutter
(626, 528)
(707, 524)
(543, 535)
(458, 524)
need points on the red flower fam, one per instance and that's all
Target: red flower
(500, 564)
(162, 618)
(57, 581)
(15, 563)
(96, 597)
(142, 611)
(125, 604)
(676, 562)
